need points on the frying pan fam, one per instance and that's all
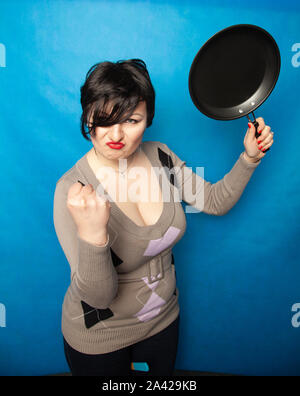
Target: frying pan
(234, 72)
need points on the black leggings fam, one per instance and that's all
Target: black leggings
(158, 351)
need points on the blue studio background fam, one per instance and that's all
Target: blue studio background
(238, 275)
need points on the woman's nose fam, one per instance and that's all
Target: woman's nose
(116, 132)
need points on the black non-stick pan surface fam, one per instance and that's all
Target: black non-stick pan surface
(234, 72)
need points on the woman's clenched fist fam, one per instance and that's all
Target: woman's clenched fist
(90, 212)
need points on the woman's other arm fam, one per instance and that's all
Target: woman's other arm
(217, 198)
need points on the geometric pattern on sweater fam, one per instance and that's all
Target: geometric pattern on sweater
(155, 246)
(166, 160)
(115, 258)
(154, 304)
(93, 315)
(173, 263)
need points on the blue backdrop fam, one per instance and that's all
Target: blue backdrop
(238, 274)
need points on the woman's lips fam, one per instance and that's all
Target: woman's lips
(116, 146)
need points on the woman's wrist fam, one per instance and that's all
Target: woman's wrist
(250, 159)
(99, 239)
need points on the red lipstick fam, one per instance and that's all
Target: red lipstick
(116, 146)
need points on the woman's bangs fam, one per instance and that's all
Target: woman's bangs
(108, 112)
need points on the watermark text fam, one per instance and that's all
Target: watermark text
(296, 57)
(2, 55)
(137, 186)
(296, 317)
(2, 315)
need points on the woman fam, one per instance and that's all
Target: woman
(122, 303)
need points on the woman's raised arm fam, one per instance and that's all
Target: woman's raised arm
(214, 199)
(93, 276)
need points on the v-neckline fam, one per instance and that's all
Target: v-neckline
(118, 215)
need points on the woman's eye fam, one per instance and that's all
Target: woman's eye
(132, 121)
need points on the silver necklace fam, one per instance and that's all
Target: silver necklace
(120, 172)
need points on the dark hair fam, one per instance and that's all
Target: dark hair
(123, 84)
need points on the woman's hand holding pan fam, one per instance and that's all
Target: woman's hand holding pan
(255, 147)
(90, 212)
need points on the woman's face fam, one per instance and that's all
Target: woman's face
(130, 133)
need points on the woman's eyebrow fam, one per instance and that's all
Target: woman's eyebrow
(138, 114)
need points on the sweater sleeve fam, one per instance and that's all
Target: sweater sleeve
(211, 198)
(93, 276)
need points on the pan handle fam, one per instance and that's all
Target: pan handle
(255, 123)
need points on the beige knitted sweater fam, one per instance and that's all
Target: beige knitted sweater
(125, 291)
